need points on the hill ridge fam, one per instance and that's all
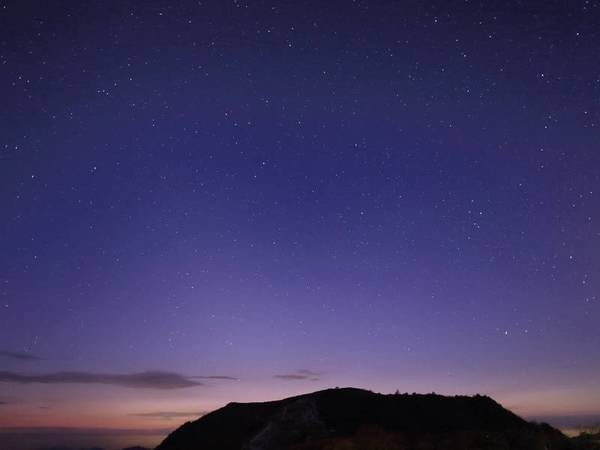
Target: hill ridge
(357, 418)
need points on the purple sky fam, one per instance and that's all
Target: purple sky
(223, 201)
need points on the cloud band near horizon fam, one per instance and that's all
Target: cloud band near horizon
(19, 356)
(139, 380)
(299, 375)
(169, 415)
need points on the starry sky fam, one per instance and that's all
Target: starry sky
(209, 201)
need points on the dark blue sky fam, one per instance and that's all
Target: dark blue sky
(392, 195)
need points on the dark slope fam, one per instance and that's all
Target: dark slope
(588, 441)
(357, 419)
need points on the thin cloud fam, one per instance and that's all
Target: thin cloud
(168, 415)
(140, 380)
(216, 377)
(19, 356)
(299, 375)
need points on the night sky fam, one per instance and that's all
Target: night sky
(203, 202)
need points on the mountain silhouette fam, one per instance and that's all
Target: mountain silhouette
(350, 419)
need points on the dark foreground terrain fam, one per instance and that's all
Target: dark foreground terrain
(355, 419)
